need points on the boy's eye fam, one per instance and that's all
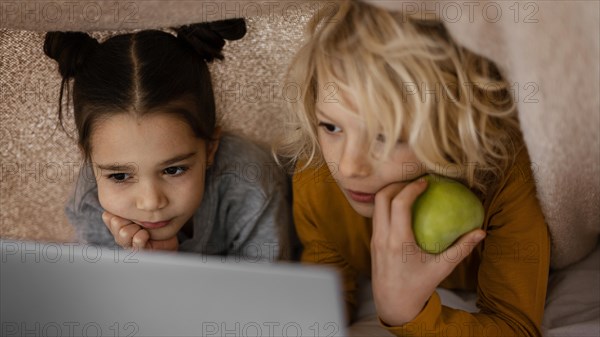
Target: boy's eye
(175, 170)
(331, 128)
(382, 139)
(118, 177)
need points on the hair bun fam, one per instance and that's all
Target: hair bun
(208, 38)
(69, 49)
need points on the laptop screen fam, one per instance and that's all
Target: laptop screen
(72, 289)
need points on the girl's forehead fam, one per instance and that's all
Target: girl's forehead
(122, 122)
(124, 137)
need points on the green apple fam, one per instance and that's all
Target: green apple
(443, 213)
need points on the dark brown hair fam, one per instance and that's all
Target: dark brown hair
(141, 73)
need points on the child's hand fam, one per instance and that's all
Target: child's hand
(404, 276)
(131, 235)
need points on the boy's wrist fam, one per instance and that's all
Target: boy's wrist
(402, 310)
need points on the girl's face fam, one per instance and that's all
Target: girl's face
(150, 170)
(344, 142)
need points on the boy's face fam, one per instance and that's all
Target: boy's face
(150, 170)
(344, 142)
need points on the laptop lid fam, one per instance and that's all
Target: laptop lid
(72, 289)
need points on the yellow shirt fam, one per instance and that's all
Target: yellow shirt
(508, 269)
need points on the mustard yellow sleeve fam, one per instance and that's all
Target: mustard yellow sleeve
(311, 216)
(317, 249)
(512, 275)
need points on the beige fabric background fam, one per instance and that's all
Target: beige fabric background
(548, 49)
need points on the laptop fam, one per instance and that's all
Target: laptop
(73, 289)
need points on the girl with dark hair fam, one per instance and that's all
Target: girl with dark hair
(158, 174)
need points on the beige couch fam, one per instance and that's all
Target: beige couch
(554, 63)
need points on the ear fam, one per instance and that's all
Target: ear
(212, 146)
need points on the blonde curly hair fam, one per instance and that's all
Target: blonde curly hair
(411, 81)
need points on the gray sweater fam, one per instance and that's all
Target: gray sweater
(245, 211)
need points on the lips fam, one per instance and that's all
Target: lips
(361, 197)
(154, 225)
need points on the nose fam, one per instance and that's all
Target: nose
(151, 197)
(355, 161)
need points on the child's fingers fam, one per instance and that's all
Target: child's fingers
(123, 230)
(125, 234)
(113, 222)
(463, 247)
(107, 217)
(168, 244)
(381, 212)
(401, 210)
(383, 199)
(140, 238)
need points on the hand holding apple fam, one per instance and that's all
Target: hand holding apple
(404, 276)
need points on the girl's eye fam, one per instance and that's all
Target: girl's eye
(175, 170)
(118, 177)
(331, 128)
